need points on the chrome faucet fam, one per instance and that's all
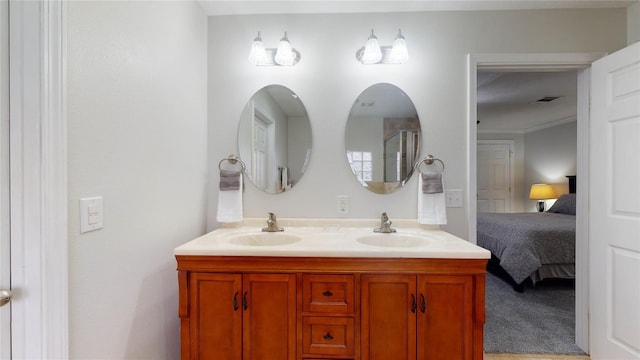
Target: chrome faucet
(272, 224)
(385, 225)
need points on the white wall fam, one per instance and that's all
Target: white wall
(633, 23)
(137, 136)
(549, 157)
(329, 78)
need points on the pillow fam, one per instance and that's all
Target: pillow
(566, 204)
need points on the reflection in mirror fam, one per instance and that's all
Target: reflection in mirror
(383, 138)
(274, 139)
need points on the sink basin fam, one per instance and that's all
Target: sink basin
(264, 239)
(393, 240)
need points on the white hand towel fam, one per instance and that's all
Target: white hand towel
(432, 208)
(230, 205)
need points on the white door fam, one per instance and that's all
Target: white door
(494, 176)
(5, 279)
(259, 157)
(614, 210)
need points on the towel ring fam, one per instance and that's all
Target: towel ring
(232, 159)
(429, 159)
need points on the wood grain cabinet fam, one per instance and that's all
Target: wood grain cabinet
(417, 317)
(286, 308)
(241, 316)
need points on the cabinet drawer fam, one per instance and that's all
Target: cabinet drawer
(328, 335)
(328, 293)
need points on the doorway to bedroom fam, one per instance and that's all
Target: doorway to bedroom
(527, 134)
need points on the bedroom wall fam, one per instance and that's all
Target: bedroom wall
(519, 186)
(550, 155)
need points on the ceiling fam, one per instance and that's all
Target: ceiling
(243, 7)
(510, 101)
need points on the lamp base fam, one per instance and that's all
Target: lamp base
(540, 206)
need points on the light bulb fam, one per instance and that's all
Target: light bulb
(399, 53)
(285, 55)
(372, 53)
(258, 54)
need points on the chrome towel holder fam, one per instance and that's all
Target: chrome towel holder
(429, 159)
(233, 160)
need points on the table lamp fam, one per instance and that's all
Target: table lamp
(541, 192)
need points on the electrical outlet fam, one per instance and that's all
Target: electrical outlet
(454, 198)
(343, 204)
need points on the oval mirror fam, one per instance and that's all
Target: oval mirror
(382, 138)
(274, 139)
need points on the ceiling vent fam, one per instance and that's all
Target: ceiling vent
(548, 99)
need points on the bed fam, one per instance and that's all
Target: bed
(532, 246)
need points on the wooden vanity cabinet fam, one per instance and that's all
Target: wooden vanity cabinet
(285, 308)
(241, 316)
(417, 317)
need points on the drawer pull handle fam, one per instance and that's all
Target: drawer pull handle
(413, 303)
(327, 293)
(235, 301)
(328, 336)
(244, 301)
(423, 303)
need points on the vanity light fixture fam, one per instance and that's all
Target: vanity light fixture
(284, 55)
(373, 53)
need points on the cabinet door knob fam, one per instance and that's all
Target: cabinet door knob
(327, 293)
(413, 303)
(244, 301)
(328, 336)
(423, 303)
(235, 301)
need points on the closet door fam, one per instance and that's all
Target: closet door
(494, 177)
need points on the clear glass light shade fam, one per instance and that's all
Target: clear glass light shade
(372, 52)
(399, 53)
(258, 54)
(285, 55)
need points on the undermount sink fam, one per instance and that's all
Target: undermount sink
(393, 240)
(264, 239)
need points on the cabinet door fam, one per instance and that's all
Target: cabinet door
(388, 326)
(445, 317)
(269, 317)
(215, 316)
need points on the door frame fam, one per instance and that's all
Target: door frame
(541, 62)
(512, 146)
(38, 179)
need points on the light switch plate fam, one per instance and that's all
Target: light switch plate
(454, 198)
(91, 214)
(343, 204)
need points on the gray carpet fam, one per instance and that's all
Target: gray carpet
(539, 321)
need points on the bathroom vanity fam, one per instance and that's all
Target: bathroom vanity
(331, 291)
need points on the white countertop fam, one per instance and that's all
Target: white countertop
(333, 238)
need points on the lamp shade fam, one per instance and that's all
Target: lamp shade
(372, 52)
(399, 53)
(285, 55)
(541, 192)
(258, 54)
